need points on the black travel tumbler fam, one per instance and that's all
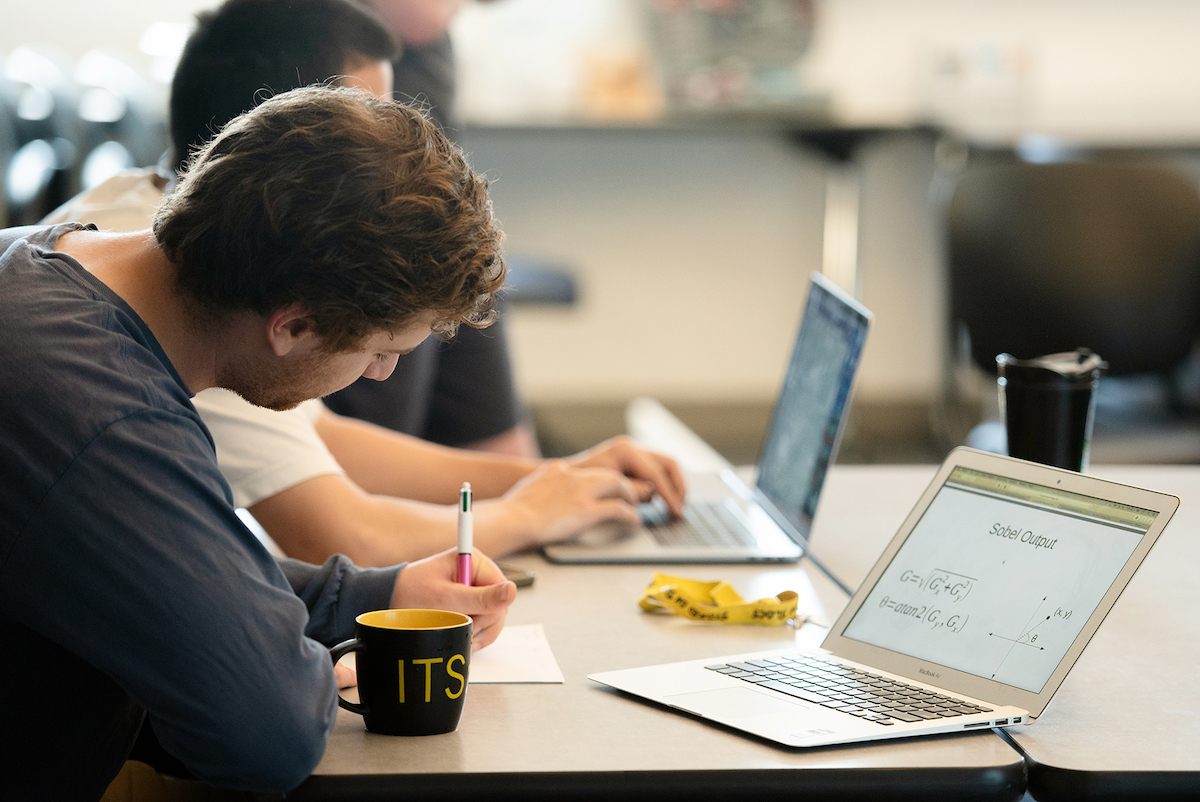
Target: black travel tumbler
(1048, 404)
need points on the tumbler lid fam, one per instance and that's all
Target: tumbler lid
(1082, 363)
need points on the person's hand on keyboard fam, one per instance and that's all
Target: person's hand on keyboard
(653, 473)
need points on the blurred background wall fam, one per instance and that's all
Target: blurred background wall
(685, 177)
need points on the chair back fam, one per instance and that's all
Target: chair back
(1050, 257)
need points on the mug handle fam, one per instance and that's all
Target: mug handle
(336, 653)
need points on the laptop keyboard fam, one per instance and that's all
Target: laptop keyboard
(850, 690)
(704, 523)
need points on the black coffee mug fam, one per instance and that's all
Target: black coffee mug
(412, 670)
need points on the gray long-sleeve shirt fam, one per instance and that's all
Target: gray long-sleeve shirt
(127, 581)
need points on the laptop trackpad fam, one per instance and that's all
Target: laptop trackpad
(731, 703)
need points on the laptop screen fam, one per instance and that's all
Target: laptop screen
(999, 577)
(812, 405)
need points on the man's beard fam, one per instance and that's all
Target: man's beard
(281, 384)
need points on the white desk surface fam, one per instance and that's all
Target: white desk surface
(1125, 723)
(1126, 720)
(543, 740)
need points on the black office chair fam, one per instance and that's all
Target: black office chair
(121, 123)
(533, 283)
(8, 140)
(42, 169)
(1050, 257)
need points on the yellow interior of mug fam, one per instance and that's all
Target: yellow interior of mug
(413, 619)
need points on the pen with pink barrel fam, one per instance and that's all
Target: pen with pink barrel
(466, 534)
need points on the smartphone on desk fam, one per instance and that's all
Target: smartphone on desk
(518, 576)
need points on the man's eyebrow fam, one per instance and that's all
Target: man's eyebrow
(400, 351)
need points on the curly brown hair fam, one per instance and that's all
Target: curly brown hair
(359, 209)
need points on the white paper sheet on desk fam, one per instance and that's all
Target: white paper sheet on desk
(520, 654)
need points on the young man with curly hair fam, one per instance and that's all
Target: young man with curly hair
(313, 241)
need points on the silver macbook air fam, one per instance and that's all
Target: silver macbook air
(726, 521)
(970, 619)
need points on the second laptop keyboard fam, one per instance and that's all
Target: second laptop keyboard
(704, 523)
(850, 690)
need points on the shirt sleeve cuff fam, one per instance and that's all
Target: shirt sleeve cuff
(337, 592)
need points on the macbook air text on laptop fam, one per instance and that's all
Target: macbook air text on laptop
(971, 618)
(724, 520)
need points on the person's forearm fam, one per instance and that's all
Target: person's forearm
(519, 441)
(398, 530)
(388, 463)
(329, 515)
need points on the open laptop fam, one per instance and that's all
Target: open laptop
(724, 520)
(970, 619)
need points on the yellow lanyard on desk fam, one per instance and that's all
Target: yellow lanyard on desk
(717, 601)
